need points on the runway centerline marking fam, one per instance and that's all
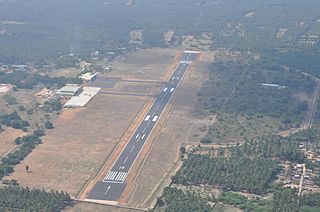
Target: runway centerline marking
(125, 160)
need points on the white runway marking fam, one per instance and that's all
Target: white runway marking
(147, 118)
(144, 130)
(105, 193)
(125, 160)
(121, 176)
(132, 149)
(137, 136)
(155, 118)
(111, 175)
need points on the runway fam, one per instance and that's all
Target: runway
(114, 183)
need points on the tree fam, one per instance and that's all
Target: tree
(27, 168)
(160, 202)
(183, 150)
(48, 125)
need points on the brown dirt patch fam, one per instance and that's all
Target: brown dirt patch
(75, 150)
(7, 138)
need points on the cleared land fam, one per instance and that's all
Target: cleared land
(74, 151)
(83, 139)
(148, 64)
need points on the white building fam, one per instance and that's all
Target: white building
(69, 90)
(83, 98)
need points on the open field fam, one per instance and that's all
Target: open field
(68, 72)
(137, 88)
(7, 138)
(82, 139)
(148, 64)
(179, 128)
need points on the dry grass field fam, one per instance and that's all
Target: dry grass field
(146, 88)
(75, 150)
(148, 64)
(7, 138)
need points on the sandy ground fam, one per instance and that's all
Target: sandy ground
(75, 150)
(179, 128)
(7, 138)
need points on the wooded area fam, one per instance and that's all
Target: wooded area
(15, 198)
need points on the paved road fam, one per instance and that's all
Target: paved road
(114, 183)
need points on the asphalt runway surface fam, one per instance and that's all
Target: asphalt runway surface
(114, 183)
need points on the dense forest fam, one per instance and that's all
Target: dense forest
(287, 200)
(176, 200)
(25, 199)
(27, 80)
(250, 167)
(271, 147)
(239, 88)
(235, 174)
(234, 24)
